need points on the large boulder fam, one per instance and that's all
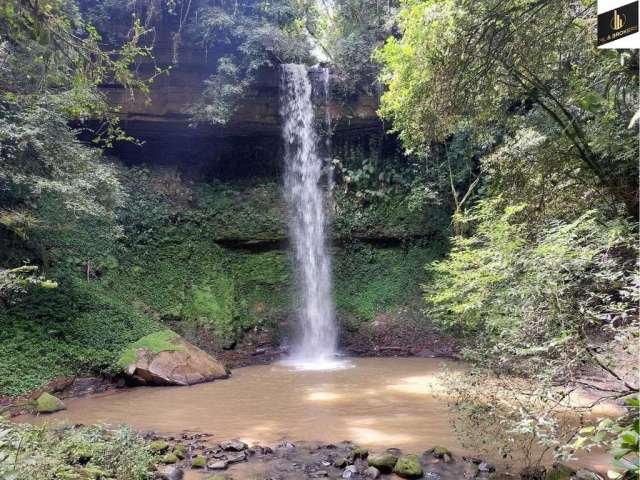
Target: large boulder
(47, 403)
(165, 358)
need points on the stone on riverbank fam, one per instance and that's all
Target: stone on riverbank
(383, 462)
(233, 446)
(47, 403)
(408, 466)
(158, 446)
(165, 358)
(199, 462)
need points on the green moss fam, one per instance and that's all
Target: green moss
(371, 280)
(180, 451)
(154, 342)
(170, 458)
(47, 403)
(199, 462)
(408, 466)
(158, 446)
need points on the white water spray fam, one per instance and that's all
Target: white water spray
(316, 349)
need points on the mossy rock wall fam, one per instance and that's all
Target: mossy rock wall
(200, 257)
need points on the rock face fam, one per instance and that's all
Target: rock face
(47, 403)
(176, 362)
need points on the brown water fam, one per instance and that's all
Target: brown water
(380, 403)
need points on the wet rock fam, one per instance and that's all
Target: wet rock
(408, 466)
(172, 473)
(372, 472)
(440, 452)
(471, 470)
(236, 457)
(47, 403)
(533, 473)
(319, 474)
(383, 462)
(356, 453)
(180, 363)
(432, 476)
(199, 462)
(218, 465)
(350, 472)
(159, 446)
(486, 467)
(233, 446)
(583, 474)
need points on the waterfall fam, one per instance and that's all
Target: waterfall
(316, 347)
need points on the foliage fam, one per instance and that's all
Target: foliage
(244, 37)
(535, 297)
(621, 436)
(42, 453)
(371, 281)
(16, 282)
(527, 424)
(348, 33)
(52, 65)
(463, 63)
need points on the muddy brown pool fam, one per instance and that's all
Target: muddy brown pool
(379, 403)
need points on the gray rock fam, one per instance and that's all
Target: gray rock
(234, 445)
(583, 474)
(372, 472)
(432, 476)
(486, 467)
(319, 474)
(236, 457)
(218, 465)
(384, 462)
(172, 473)
(350, 471)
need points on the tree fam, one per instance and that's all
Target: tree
(462, 63)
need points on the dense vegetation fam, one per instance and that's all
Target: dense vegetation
(509, 199)
(542, 270)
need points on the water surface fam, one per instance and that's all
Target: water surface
(379, 403)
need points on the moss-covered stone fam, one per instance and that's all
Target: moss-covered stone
(170, 458)
(199, 462)
(440, 452)
(408, 466)
(159, 446)
(180, 451)
(155, 342)
(359, 453)
(383, 462)
(47, 403)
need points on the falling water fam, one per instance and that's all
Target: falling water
(306, 201)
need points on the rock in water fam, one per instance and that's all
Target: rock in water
(165, 358)
(408, 467)
(47, 403)
(384, 462)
